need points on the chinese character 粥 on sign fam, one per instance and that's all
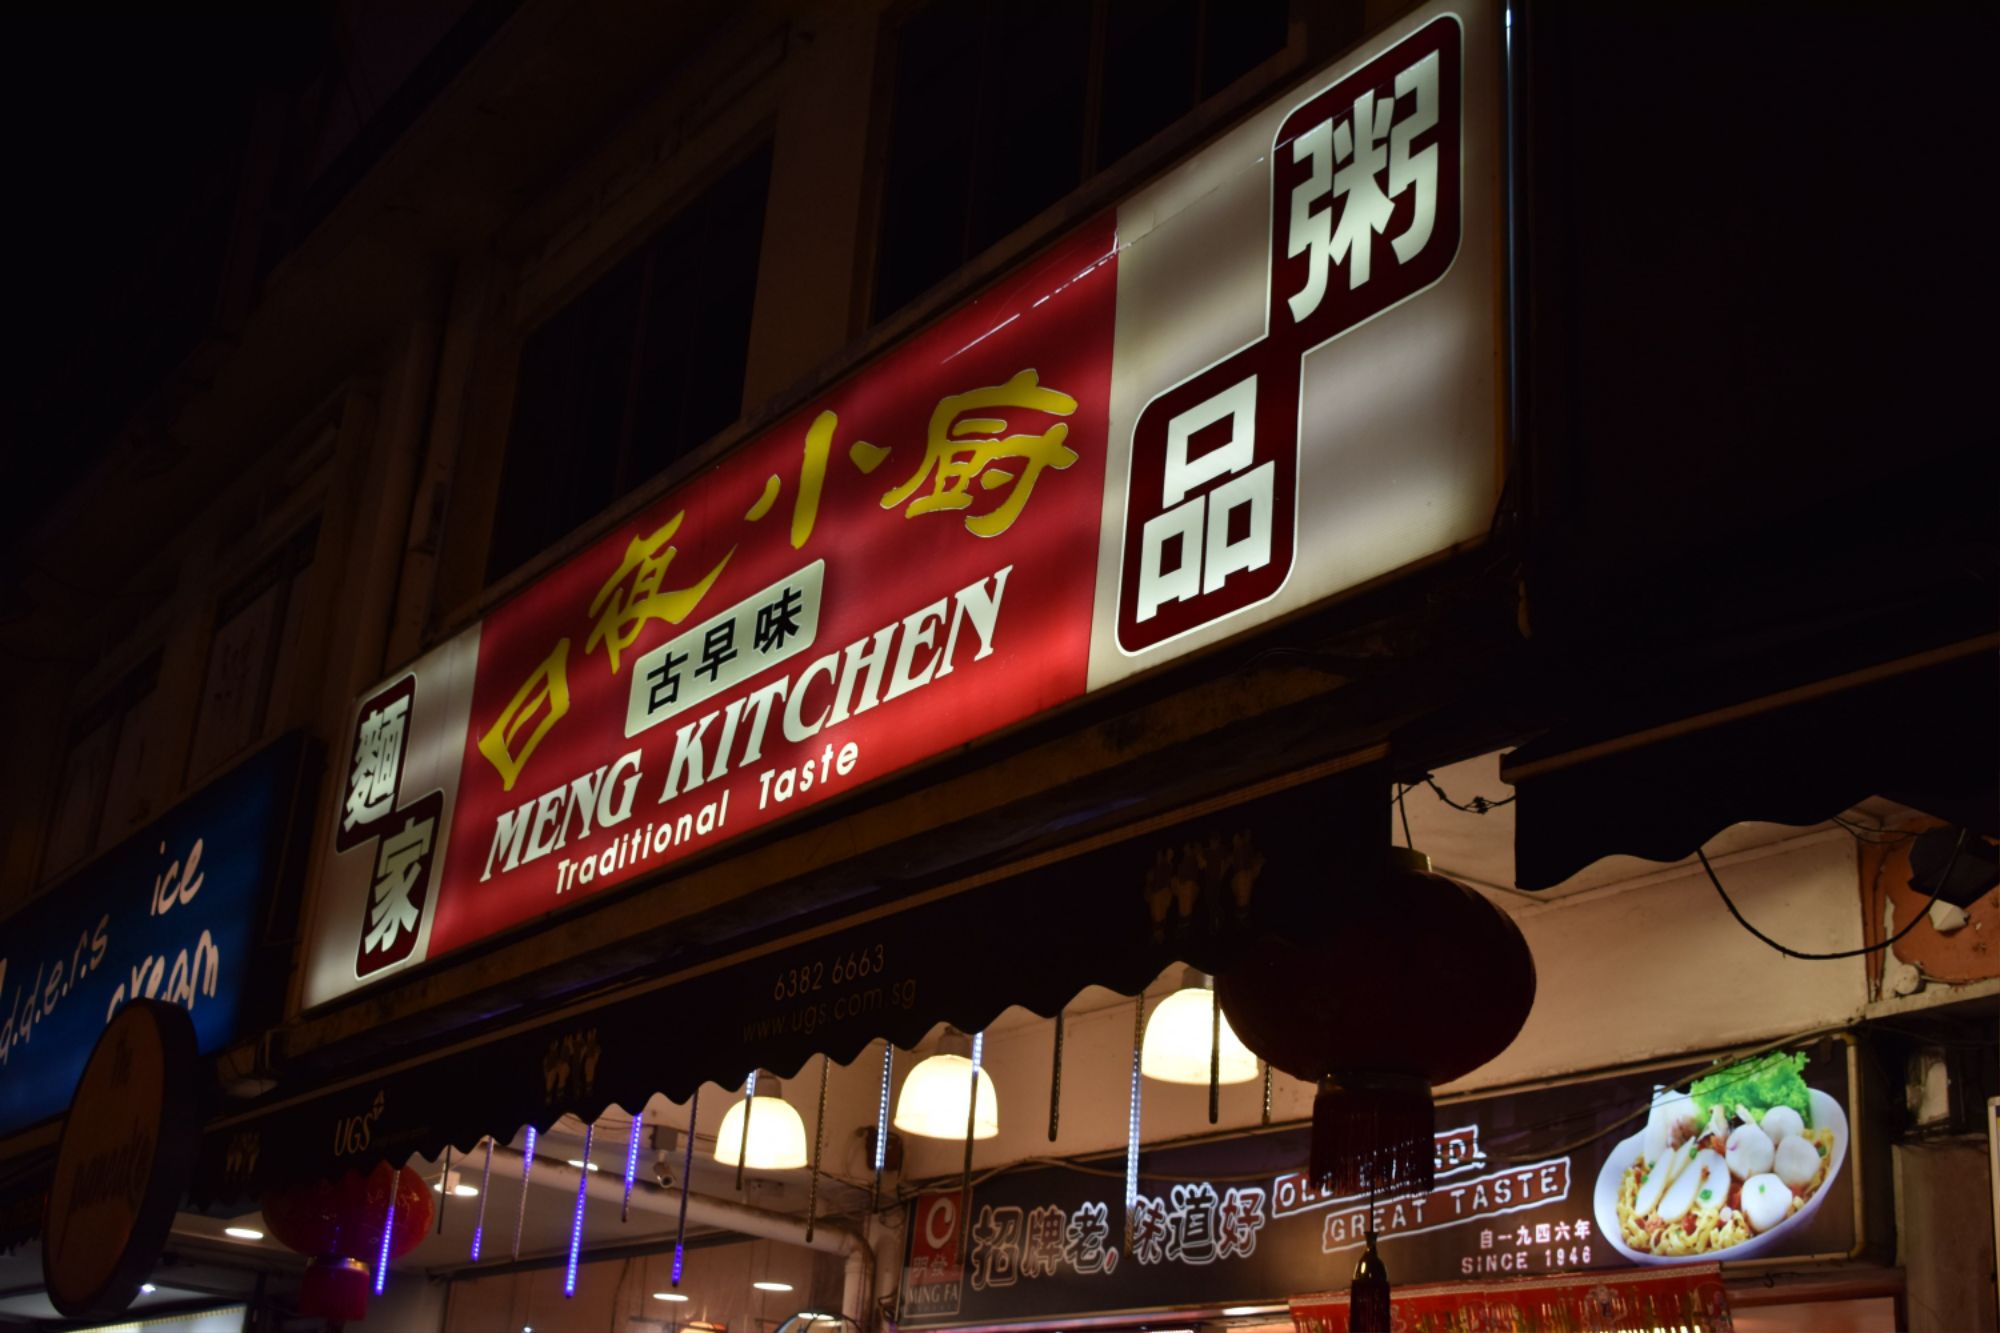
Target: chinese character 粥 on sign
(1366, 175)
(1357, 166)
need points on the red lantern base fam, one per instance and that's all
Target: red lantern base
(1374, 1133)
(334, 1288)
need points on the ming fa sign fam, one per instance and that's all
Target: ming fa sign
(934, 1279)
(127, 1151)
(1365, 181)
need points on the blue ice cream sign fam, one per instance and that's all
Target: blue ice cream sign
(176, 912)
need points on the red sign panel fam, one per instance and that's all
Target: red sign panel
(934, 1279)
(902, 567)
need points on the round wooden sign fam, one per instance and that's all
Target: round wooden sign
(127, 1151)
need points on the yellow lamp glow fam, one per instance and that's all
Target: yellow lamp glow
(777, 1136)
(1179, 1036)
(932, 1104)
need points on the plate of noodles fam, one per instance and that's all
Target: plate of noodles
(1724, 1168)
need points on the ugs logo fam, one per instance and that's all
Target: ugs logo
(1365, 213)
(353, 1133)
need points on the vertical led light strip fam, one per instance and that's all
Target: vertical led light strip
(444, 1189)
(687, 1178)
(1055, 1081)
(576, 1222)
(743, 1148)
(485, 1193)
(881, 1132)
(527, 1170)
(1132, 1125)
(882, 1110)
(388, 1230)
(631, 1165)
(819, 1147)
(971, 1126)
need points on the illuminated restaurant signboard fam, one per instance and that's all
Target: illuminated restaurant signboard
(1528, 1184)
(1264, 380)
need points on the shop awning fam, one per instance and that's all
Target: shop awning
(1196, 891)
(1917, 729)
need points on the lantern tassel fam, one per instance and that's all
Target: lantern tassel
(1369, 1308)
(1373, 1132)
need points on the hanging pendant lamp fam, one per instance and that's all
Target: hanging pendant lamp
(1184, 1041)
(937, 1096)
(774, 1138)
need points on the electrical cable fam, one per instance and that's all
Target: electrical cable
(1944, 878)
(1479, 805)
(1878, 836)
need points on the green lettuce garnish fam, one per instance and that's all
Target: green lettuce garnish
(1760, 1083)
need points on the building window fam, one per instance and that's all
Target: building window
(1002, 107)
(100, 793)
(256, 624)
(634, 373)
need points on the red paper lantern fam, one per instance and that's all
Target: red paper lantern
(338, 1224)
(1406, 979)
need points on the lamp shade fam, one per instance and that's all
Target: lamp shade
(1179, 1035)
(933, 1102)
(777, 1136)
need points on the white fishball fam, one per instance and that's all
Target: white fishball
(1750, 1152)
(1767, 1201)
(1782, 1122)
(1797, 1161)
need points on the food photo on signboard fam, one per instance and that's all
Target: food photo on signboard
(1725, 1167)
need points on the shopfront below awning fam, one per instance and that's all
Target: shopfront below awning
(1535, 1209)
(1193, 890)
